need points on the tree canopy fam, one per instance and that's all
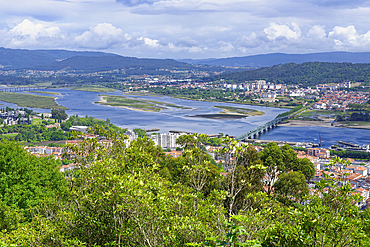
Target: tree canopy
(132, 194)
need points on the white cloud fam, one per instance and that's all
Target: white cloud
(317, 32)
(29, 33)
(275, 31)
(344, 33)
(149, 42)
(347, 38)
(102, 36)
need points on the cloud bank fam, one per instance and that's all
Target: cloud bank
(187, 28)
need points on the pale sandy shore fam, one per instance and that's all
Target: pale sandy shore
(102, 100)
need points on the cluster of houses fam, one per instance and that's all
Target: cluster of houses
(333, 97)
(57, 152)
(356, 174)
(15, 117)
(339, 100)
(258, 85)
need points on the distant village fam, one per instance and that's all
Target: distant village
(326, 96)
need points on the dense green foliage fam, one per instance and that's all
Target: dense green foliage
(90, 122)
(26, 180)
(308, 74)
(134, 195)
(59, 114)
(33, 133)
(355, 116)
(39, 133)
(351, 154)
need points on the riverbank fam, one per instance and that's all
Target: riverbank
(323, 123)
(31, 100)
(301, 123)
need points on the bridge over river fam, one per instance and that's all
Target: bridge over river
(17, 89)
(252, 134)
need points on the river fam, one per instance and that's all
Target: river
(82, 104)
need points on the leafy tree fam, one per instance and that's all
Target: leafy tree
(25, 179)
(284, 159)
(290, 187)
(198, 169)
(59, 114)
(9, 218)
(272, 158)
(244, 176)
(118, 197)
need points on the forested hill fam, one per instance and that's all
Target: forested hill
(86, 61)
(309, 73)
(264, 60)
(105, 63)
(21, 58)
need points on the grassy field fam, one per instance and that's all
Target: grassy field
(136, 104)
(310, 113)
(29, 100)
(94, 89)
(38, 121)
(44, 92)
(10, 135)
(239, 110)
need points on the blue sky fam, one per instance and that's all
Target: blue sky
(187, 28)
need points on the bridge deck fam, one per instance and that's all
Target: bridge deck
(260, 128)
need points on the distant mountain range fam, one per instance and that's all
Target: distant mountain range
(266, 60)
(79, 61)
(21, 58)
(86, 61)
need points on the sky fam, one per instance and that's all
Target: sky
(181, 29)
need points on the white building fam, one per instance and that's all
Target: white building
(166, 140)
(297, 93)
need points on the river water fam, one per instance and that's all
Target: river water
(82, 104)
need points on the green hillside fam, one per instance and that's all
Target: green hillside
(310, 73)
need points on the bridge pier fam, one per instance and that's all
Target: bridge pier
(253, 134)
